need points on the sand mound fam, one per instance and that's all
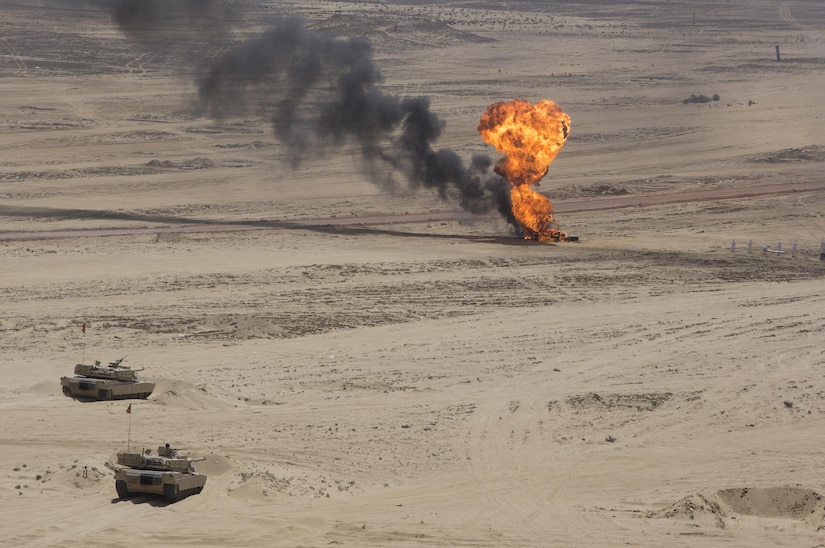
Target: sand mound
(774, 502)
(43, 388)
(87, 473)
(165, 387)
(699, 509)
(214, 465)
(786, 502)
(37, 477)
(184, 395)
(262, 481)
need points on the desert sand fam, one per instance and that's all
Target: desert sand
(369, 365)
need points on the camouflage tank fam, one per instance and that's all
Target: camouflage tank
(113, 382)
(168, 473)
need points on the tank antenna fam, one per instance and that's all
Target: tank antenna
(83, 355)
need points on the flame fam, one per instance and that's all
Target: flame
(534, 212)
(530, 136)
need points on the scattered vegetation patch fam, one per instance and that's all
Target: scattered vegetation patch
(701, 99)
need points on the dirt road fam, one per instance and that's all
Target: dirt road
(559, 207)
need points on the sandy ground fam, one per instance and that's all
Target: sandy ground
(439, 383)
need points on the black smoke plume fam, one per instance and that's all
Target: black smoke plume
(177, 25)
(157, 16)
(320, 92)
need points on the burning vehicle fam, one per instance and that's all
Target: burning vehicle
(530, 136)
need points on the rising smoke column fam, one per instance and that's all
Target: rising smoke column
(320, 92)
(165, 18)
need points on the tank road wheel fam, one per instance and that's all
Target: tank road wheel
(122, 490)
(170, 492)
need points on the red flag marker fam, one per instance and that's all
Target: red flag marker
(129, 409)
(84, 327)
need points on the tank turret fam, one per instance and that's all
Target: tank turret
(168, 473)
(114, 371)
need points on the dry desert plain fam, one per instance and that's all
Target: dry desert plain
(364, 363)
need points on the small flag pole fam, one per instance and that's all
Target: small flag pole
(129, 435)
(83, 356)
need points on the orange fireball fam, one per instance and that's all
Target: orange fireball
(530, 136)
